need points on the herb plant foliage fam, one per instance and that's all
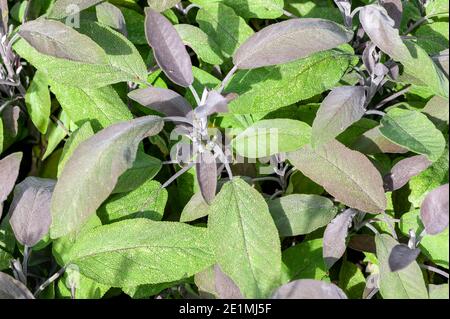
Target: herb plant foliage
(224, 149)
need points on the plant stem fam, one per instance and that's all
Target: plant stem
(393, 97)
(375, 112)
(26, 256)
(49, 281)
(227, 78)
(195, 94)
(435, 270)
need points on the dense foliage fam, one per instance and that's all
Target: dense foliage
(224, 149)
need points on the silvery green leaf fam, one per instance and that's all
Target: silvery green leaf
(245, 239)
(402, 256)
(288, 41)
(394, 9)
(309, 289)
(91, 173)
(206, 169)
(434, 210)
(407, 283)
(111, 15)
(300, 214)
(140, 251)
(168, 48)
(215, 103)
(30, 210)
(404, 170)
(11, 288)
(164, 101)
(334, 238)
(342, 107)
(56, 39)
(196, 208)
(64, 8)
(225, 286)
(9, 170)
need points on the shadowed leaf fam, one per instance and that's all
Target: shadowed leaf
(402, 256)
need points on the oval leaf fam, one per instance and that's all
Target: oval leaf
(407, 283)
(404, 170)
(245, 239)
(402, 256)
(56, 39)
(225, 287)
(64, 8)
(434, 210)
(164, 101)
(206, 169)
(414, 131)
(347, 175)
(341, 108)
(300, 214)
(309, 289)
(168, 48)
(288, 41)
(140, 251)
(13, 289)
(9, 171)
(269, 137)
(30, 210)
(334, 238)
(91, 173)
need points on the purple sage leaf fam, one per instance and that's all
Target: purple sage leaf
(334, 238)
(11, 288)
(168, 48)
(9, 170)
(30, 210)
(92, 172)
(215, 103)
(394, 9)
(309, 289)
(206, 169)
(404, 170)
(111, 15)
(56, 39)
(402, 256)
(347, 175)
(342, 107)
(164, 101)
(225, 286)
(434, 210)
(288, 41)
